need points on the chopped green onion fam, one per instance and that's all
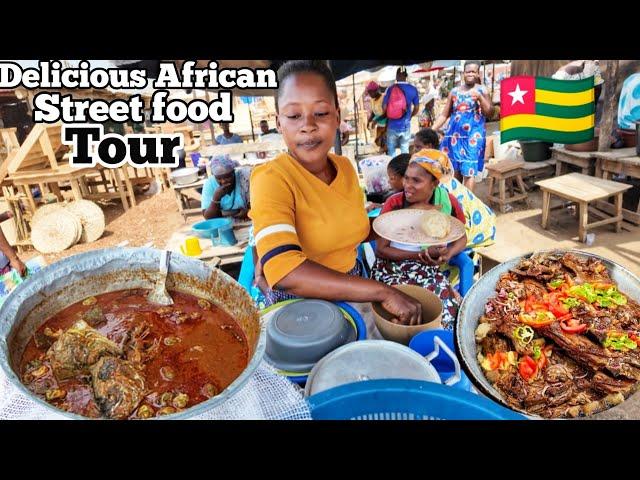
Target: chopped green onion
(536, 352)
(556, 283)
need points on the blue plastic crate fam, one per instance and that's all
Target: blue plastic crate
(404, 400)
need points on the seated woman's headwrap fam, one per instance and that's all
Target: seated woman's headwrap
(222, 164)
(435, 162)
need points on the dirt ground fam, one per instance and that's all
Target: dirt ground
(153, 219)
(519, 231)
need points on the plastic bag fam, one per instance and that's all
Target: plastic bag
(374, 172)
(10, 280)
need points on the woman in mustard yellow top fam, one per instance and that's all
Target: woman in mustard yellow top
(307, 207)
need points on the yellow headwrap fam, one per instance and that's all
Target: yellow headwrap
(435, 162)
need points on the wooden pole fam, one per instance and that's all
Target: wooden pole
(493, 81)
(213, 136)
(610, 104)
(337, 146)
(253, 136)
(355, 111)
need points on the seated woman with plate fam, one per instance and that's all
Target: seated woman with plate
(399, 263)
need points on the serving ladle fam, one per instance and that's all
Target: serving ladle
(159, 294)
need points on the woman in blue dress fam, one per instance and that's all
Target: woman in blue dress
(464, 139)
(227, 191)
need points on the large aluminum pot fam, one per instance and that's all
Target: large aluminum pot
(472, 309)
(100, 271)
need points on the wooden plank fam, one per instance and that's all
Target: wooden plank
(625, 225)
(606, 221)
(618, 205)
(504, 166)
(583, 220)
(570, 155)
(120, 188)
(628, 215)
(127, 182)
(21, 154)
(75, 188)
(48, 150)
(546, 203)
(616, 154)
(582, 188)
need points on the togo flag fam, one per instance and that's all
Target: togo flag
(540, 108)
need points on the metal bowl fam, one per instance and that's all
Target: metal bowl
(472, 309)
(369, 360)
(185, 176)
(75, 278)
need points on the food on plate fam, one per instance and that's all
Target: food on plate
(435, 224)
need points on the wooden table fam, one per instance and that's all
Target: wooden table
(183, 199)
(623, 161)
(583, 190)
(584, 160)
(227, 255)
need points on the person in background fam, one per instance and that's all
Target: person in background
(580, 69)
(8, 257)
(227, 137)
(345, 131)
(402, 264)
(629, 104)
(226, 190)
(467, 108)
(395, 171)
(480, 220)
(264, 128)
(377, 116)
(399, 127)
(427, 117)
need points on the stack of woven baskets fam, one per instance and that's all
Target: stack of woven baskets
(58, 226)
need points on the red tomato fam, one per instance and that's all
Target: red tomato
(527, 367)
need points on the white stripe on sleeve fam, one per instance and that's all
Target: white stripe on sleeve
(281, 227)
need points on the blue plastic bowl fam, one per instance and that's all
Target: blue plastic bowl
(209, 227)
(423, 344)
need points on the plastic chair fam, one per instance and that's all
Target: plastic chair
(247, 270)
(463, 261)
(465, 264)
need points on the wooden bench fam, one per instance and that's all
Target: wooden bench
(623, 161)
(533, 171)
(584, 160)
(583, 190)
(503, 174)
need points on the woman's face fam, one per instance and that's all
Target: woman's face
(307, 117)
(471, 74)
(227, 179)
(418, 184)
(395, 180)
